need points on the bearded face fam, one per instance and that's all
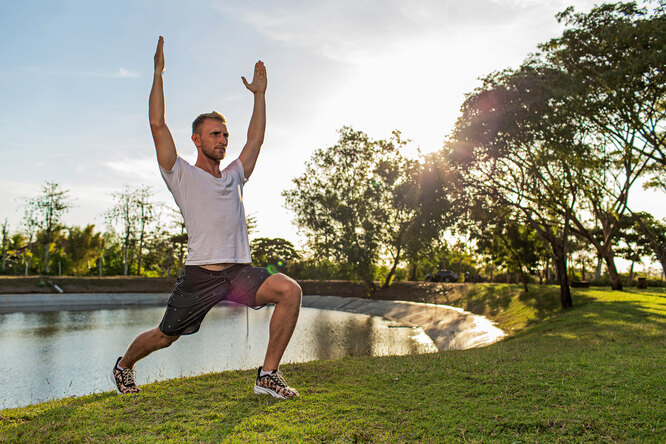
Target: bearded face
(212, 140)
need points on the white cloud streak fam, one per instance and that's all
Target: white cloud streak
(120, 73)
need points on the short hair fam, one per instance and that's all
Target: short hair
(202, 117)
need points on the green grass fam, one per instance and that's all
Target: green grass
(595, 373)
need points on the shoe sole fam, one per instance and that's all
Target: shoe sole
(113, 381)
(264, 391)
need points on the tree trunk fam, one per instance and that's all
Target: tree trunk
(412, 274)
(597, 273)
(4, 245)
(138, 268)
(616, 282)
(560, 262)
(389, 276)
(47, 253)
(126, 252)
(525, 279)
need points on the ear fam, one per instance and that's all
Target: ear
(196, 139)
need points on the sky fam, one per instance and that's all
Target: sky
(75, 77)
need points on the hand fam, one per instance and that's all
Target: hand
(259, 81)
(159, 56)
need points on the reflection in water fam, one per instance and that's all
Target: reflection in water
(55, 354)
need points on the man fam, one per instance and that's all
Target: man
(217, 267)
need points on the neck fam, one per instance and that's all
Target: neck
(208, 165)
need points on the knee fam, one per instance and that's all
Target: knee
(290, 292)
(164, 340)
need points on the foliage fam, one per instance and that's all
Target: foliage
(277, 254)
(567, 134)
(615, 55)
(651, 233)
(83, 247)
(133, 211)
(321, 269)
(515, 247)
(514, 149)
(44, 212)
(162, 254)
(361, 200)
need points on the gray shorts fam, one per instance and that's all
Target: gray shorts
(198, 290)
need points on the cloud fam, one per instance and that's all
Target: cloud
(135, 169)
(351, 30)
(123, 74)
(120, 73)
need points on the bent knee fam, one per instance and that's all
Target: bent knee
(164, 339)
(291, 290)
(285, 290)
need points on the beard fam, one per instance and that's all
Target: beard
(213, 154)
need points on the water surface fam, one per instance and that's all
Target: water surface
(48, 355)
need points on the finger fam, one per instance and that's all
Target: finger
(260, 68)
(160, 44)
(247, 85)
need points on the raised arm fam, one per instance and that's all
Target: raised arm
(164, 145)
(257, 128)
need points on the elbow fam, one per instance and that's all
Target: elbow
(156, 124)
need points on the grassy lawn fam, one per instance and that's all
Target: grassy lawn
(594, 373)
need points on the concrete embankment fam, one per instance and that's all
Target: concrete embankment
(450, 328)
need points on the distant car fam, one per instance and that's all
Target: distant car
(442, 276)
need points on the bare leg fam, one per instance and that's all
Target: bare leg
(286, 294)
(144, 344)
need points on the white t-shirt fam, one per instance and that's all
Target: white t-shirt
(213, 211)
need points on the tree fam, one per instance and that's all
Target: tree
(179, 240)
(615, 55)
(46, 211)
(430, 197)
(275, 253)
(161, 257)
(82, 246)
(124, 212)
(653, 234)
(5, 242)
(356, 202)
(29, 225)
(513, 147)
(145, 209)
(513, 245)
(614, 58)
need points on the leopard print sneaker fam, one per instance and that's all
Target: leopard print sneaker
(274, 384)
(124, 380)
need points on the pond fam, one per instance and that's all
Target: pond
(55, 354)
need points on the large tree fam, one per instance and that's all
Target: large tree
(514, 148)
(146, 210)
(124, 213)
(45, 212)
(615, 55)
(359, 201)
(614, 58)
